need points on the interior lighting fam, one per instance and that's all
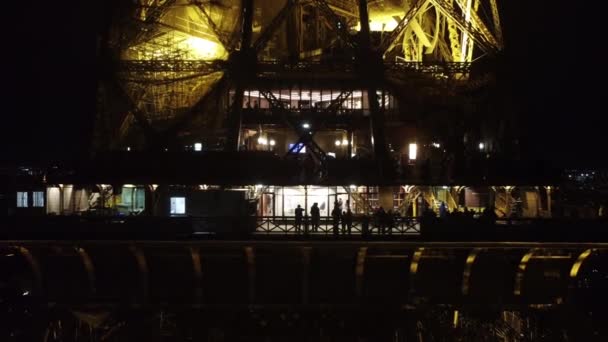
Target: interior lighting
(272, 142)
(198, 146)
(306, 125)
(262, 141)
(482, 146)
(203, 48)
(413, 151)
(338, 143)
(344, 142)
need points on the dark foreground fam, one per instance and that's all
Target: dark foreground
(318, 289)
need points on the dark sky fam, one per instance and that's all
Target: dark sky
(552, 58)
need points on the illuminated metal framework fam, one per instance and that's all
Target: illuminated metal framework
(169, 285)
(174, 63)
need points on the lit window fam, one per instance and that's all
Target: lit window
(22, 199)
(178, 205)
(38, 199)
(413, 149)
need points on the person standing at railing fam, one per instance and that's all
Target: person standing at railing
(335, 214)
(299, 214)
(347, 220)
(315, 215)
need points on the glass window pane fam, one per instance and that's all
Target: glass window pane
(178, 205)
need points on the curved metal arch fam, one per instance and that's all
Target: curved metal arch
(360, 270)
(414, 264)
(250, 258)
(468, 268)
(197, 268)
(142, 266)
(579, 262)
(521, 271)
(34, 265)
(87, 262)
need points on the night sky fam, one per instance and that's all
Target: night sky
(553, 62)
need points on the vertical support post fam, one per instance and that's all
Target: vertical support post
(349, 147)
(549, 200)
(366, 56)
(306, 209)
(235, 119)
(247, 8)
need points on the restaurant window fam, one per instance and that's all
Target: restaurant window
(22, 199)
(38, 199)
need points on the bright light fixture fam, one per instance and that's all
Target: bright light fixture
(481, 146)
(344, 142)
(306, 125)
(198, 146)
(413, 151)
(272, 142)
(262, 141)
(338, 143)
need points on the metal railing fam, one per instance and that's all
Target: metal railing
(326, 226)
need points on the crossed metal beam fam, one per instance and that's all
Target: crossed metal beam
(391, 39)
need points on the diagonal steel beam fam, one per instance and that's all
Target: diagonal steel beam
(338, 25)
(480, 25)
(270, 30)
(197, 108)
(146, 29)
(479, 37)
(391, 40)
(497, 26)
(219, 34)
(139, 116)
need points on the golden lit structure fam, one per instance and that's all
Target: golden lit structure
(185, 71)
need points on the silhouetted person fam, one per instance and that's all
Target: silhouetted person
(299, 214)
(489, 215)
(443, 210)
(315, 215)
(347, 219)
(381, 220)
(335, 215)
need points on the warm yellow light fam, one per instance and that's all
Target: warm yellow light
(203, 48)
(455, 322)
(577, 265)
(338, 143)
(385, 22)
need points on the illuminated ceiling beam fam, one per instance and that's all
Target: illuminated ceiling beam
(338, 25)
(200, 66)
(270, 30)
(391, 40)
(147, 29)
(220, 36)
(497, 26)
(479, 37)
(479, 24)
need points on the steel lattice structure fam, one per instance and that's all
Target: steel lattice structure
(179, 70)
